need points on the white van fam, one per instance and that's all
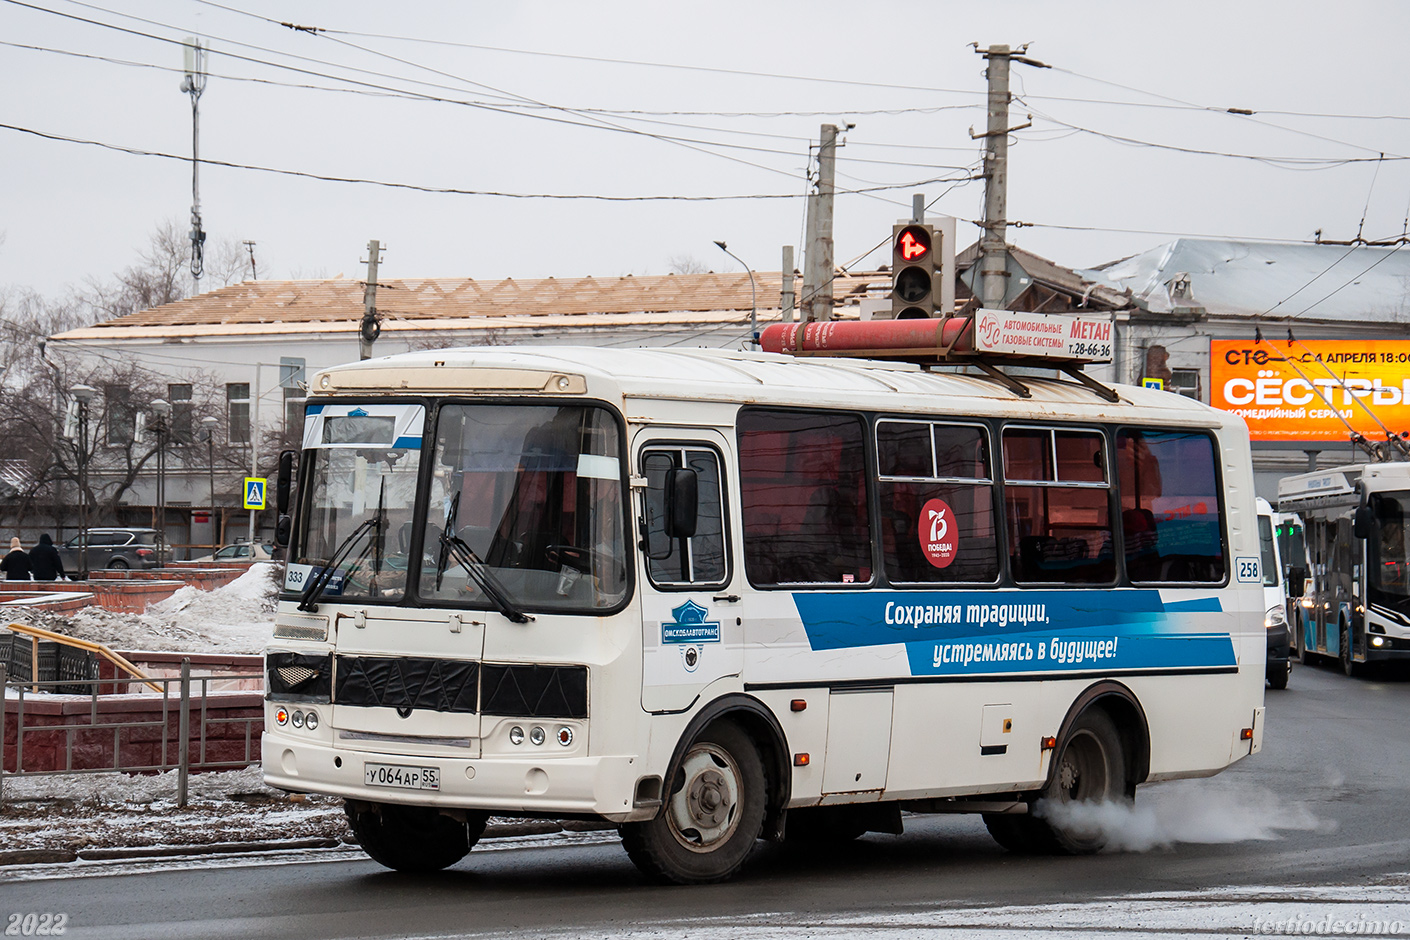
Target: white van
(1274, 599)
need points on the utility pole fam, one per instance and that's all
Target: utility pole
(194, 84)
(993, 254)
(993, 251)
(254, 271)
(371, 328)
(786, 288)
(818, 254)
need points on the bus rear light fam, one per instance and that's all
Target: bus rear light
(800, 760)
(516, 735)
(1049, 743)
(798, 704)
(281, 716)
(1246, 734)
(565, 736)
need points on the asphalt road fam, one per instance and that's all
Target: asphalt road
(1335, 768)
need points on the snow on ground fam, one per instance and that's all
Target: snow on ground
(236, 618)
(80, 811)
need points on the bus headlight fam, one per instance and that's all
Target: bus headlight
(1275, 618)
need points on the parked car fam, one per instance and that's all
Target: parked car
(116, 548)
(241, 551)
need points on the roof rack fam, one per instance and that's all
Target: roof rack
(986, 340)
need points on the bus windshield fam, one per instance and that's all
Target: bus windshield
(1387, 549)
(360, 490)
(525, 500)
(1266, 545)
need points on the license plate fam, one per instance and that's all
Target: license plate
(401, 776)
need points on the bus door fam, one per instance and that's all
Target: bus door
(692, 631)
(1321, 595)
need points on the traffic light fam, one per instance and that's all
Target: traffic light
(912, 271)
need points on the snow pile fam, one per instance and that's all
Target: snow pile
(1197, 811)
(236, 618)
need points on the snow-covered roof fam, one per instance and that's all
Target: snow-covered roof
(1275, 279)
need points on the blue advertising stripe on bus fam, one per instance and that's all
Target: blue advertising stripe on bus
(845, 620)
(1074, 651)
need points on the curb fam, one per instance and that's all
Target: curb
(61, 856)
(214, 848)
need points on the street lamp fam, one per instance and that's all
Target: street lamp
(83, 394)
(161, 408)
(753, 304)
(208, 424)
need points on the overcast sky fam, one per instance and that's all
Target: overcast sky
(516, 80)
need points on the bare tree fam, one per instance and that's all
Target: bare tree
(686, 264)
(162, 274)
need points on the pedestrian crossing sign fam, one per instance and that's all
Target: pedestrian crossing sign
(255, 491)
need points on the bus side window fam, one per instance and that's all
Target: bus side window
(937, 503)
(1057, 506)
(1170, 512)
(803, 485)
(699, 559)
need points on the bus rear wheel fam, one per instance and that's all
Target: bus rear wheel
(712, 815)
(1089, 768)
(413, 838)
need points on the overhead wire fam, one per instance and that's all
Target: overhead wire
(750, 73)
(1246, 114)
(480, 105)
(421, 97)
(1285, 162)
(449, 190)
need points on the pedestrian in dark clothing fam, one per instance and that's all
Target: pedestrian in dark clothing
(16, 564)
(44, 560)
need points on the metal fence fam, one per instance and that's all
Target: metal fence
(185, 696)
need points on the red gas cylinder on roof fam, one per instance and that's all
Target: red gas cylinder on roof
(898, 338)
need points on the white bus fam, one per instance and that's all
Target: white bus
(715, 597)
(1355, 604)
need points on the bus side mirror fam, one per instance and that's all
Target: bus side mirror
(284, 481)
(1297, 578)
(283, 529)
(682, 502)
(1362, 522)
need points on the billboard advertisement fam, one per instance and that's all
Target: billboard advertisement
(1296, 393)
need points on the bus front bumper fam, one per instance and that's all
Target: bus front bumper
(598, 786)
(1380, 647)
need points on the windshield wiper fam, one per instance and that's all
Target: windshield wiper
(319, 582)
(453, 546)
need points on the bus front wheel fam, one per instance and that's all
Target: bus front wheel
(1348, 665)
(413, 838)
(1088, 769)
(712, 815)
